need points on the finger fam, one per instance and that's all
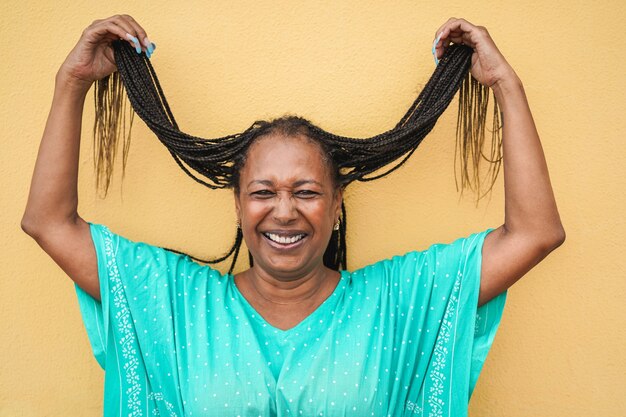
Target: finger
(130, 31)
(463, 38)
(441, 42)
(438, 43)
(122, 23)
(140, 34)
(438, 31)
(478, 35)
(438, 35)
(108, 53)
(458, 25)
(457, 31)
(104, 30)
(109, 30)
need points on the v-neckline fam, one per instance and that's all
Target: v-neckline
(317, 314)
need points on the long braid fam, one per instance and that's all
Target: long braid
(215, 163)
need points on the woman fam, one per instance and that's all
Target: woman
(289, 336)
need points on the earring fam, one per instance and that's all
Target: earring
(336, 226)
(238, 224)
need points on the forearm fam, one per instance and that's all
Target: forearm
(53, 196)
(530, 207)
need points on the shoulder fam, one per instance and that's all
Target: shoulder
(436, 256)
(137, 255)
(428, 277)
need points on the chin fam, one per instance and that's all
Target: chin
(285, 267)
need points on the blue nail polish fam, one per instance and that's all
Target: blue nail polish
(149, 45)
(137, 47)
(148, 53)
(153, 46)
(435, 47)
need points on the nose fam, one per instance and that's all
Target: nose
(285, 208)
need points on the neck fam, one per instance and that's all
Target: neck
(299, 290)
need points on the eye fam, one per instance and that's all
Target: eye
(262, 193)
(306, 194)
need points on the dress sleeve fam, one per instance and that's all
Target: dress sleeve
(142, 327)
(475, 326)
(136, 289)
(95, 313)
(434, 297)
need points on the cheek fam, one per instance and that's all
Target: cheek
(254, 211)
(319, 212)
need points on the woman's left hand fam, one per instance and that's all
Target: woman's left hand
(532, 227)
(489, 67)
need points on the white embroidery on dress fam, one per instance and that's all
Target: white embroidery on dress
(128, 340)
(124, 325)
(413, 408)
(440, 353)
(479, 324)
(157, 396)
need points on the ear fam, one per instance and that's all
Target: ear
(338, 199)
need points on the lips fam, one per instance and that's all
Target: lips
(284, 240)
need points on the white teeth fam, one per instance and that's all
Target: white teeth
(284, 240)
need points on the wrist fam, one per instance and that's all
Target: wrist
(506, 84)
(66, 82)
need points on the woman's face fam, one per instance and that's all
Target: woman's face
(287, 205)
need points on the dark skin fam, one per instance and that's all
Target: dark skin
(291, 281)
(286, 189)
(532, 227)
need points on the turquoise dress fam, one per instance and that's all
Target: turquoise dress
(400, 337)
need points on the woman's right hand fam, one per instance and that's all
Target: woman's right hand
(92, 58)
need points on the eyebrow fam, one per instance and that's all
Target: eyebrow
(295, 184)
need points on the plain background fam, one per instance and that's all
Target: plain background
(353, 68)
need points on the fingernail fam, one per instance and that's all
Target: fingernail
(435, 47)
(435, 55)
(148, 44)
(436, 42)
(132, 38)
(135, 41)
(153, 46)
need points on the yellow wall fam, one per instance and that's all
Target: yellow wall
(353, 68)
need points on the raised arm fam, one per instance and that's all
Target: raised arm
(532, 227)
(51, 216)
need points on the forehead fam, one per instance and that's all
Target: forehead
(282, 159)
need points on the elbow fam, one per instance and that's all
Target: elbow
(552, 239)
(28, 226)
(544, 240)
(32, 225)
(561, 238)
(38, 227)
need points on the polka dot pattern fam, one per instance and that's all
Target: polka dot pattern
(395, 338)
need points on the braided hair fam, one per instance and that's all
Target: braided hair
(215, 163)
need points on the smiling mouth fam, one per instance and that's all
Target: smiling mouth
(284, 240)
